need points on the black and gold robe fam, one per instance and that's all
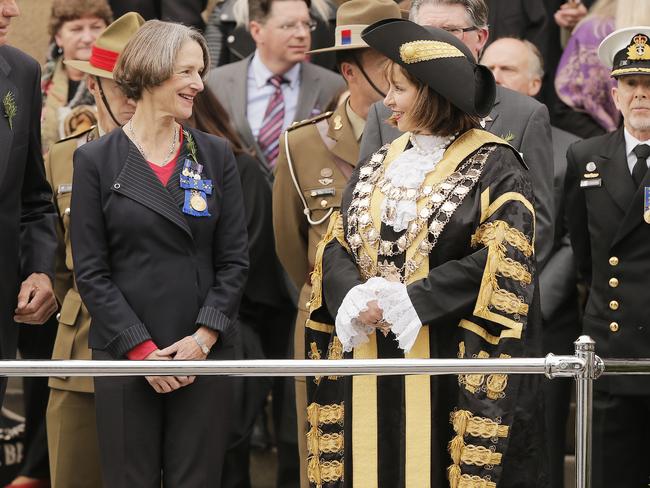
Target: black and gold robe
(475, 292)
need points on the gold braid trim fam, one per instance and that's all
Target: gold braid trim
(465, 423)
(497, 231)
(334, 231)
(324, 414)
(334, 351)
(471, 455)
(508, 302)
(459, 480)
(314, 353)
(320, 472)
(417, 51)
(473, 382)
(317, 442)
(479, 456)
(509, 268)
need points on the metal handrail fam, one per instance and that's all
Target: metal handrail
(585, 367)
(552, 366)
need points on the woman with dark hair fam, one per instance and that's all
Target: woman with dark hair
(266, 300)
(431, 256)
(160, 259)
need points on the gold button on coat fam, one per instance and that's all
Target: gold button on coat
(613, 261)
(323, 203)
(613, 305)
(67, 211)
(613, 326)
(613, 282)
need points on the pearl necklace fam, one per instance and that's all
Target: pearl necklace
(141, 149)
(428, 152)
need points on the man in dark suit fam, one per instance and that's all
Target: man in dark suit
(275, 78)
(27, 216)
(187, 12)
(518, 65)
(518, 119)
(608, 210)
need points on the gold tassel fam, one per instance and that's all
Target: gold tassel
(453, 474)
(312, 414)
(313, 471)
(460, 419)
(334, 227)
(313, 441)
(456, 448)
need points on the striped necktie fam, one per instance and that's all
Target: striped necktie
(269, 135)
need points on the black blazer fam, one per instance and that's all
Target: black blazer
(609, 238)
(27, 216)
(144, 269)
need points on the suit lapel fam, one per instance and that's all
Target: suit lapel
(634, 213)
(138, 182)
(238, 94)
(616, 176)
(6, 134)
(308, 94)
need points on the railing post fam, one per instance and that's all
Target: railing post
(585, 349)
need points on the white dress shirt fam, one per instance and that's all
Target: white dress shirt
(260, 92)
(630, 143)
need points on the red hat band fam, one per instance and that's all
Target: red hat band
(103, 58)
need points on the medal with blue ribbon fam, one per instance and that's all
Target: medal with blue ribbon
(196, 187)
(646, 205)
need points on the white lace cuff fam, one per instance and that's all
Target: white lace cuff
(400, 314)
(349, 330)
(392, 298)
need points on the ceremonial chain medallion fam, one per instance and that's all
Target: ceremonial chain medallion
(443, 200)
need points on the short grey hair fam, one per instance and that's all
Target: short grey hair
(148, 58)
(477, 10)
(535, 59)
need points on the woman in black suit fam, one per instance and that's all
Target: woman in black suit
(160, 251)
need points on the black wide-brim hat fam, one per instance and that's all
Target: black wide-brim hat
(438, 59)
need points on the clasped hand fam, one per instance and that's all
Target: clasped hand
(186, 349)
(373, 316)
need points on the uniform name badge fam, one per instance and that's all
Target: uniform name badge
(196, 189)
(646, 204)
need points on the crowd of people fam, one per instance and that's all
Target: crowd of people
(357, 179)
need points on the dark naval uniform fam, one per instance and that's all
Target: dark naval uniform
(609, 234)
(71, 424)
(317, 157)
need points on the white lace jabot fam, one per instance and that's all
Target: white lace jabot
(408, 171)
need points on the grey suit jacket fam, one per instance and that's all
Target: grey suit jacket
(515, 115)
(317, 88)
(557, 280)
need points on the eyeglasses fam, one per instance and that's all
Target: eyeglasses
(298, 26)
(459, 32)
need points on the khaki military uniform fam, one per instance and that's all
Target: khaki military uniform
(71, 427)
(316, 159)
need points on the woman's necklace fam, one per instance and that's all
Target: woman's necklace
(141, 149)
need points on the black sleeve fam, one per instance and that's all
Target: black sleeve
(90, 253)
(576, 217)
(38, 216)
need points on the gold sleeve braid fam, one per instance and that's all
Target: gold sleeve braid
(318, 470)
(334, 231)
(495, 235)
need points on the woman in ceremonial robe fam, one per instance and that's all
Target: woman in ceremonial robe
(431, 256)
